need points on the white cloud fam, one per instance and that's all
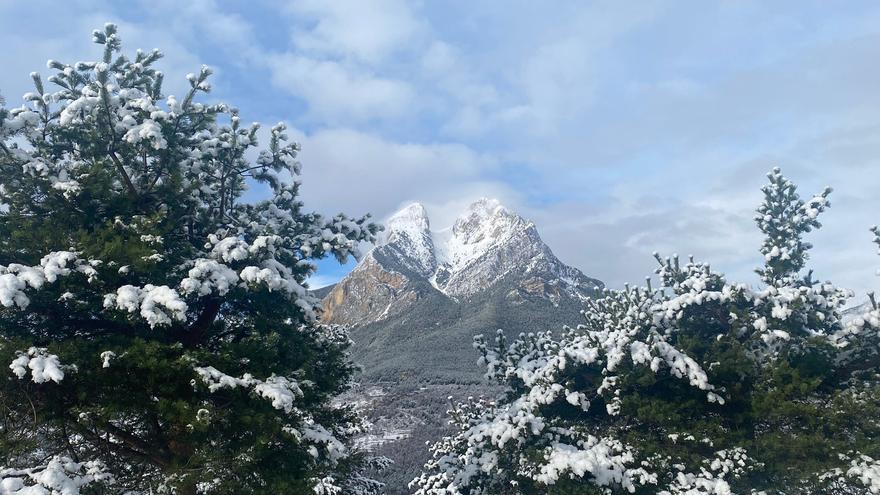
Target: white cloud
(349, 170)
(318, 281)
(341, 58)
(336, 92)
(66, 36)
(368, 31)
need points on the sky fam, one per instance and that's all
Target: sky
(619, 128)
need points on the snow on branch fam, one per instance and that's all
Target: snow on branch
(16, 278)
(60, 475)
(44, 366)
(866, 470)
(282, 392)
(158, 305)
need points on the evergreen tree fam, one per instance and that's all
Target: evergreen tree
(157, 331)
(701, 387)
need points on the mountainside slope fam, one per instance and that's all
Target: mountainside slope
(432, 340)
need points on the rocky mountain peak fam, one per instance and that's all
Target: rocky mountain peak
(411, 220)
(408, 240)
(479, 212)
(485, 220)
(487, 244)
(414, 303)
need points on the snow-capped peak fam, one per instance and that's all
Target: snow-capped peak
(477, 214)
(411, 220)
(484, 224)
(485, 244)
(408, 234)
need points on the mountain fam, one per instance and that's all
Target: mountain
(487, 248)
(414, 303)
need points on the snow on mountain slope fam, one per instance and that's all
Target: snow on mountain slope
(410, 230)
(486, 244)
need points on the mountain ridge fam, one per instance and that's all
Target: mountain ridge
(486, 245)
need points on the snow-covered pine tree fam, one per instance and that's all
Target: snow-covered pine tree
(701, 387)
(155, 328)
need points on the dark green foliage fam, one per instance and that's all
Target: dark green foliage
(139, 208)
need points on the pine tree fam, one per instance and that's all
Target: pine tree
(784, 218)
(157, 331)
(701, 387)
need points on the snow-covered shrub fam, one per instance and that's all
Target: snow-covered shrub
(701, 386)
(153, 324)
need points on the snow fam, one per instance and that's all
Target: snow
(158, 305)
(275, 276)
(481, 227)
(605, 460)
(12, 291)
(409, 229)
(760, 324)
(259, 267)
(149, 131)
(59, 476)
(317, 434)
(867, 471)
(81, 106)
(209, 276)
(228, 248)
(713, 476)
(18, 119)
(44, 366)
(484, 225)
(280, 391)
(59, 174)
(271, 277)
(411, 220)
(16, 278)
(106, 357)
(682, 366)
(217, 380)
(327, 486)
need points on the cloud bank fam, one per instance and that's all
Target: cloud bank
(620, 129)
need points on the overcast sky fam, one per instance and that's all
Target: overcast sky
(620, 128)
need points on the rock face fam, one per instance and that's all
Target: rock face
(370, 294)
(414, 302)
(486, 248)
(390, 278)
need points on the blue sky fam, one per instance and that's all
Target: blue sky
(620, 128)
